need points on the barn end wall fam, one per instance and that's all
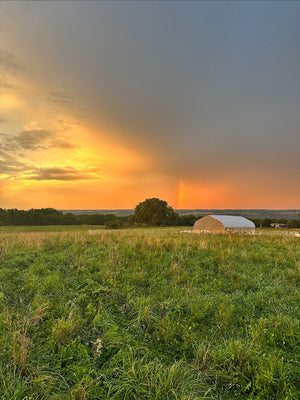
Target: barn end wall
(208, 224)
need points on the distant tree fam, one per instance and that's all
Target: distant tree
(257, 222)
(187, 220)
(155, 212)
(127, 220)
(266, 222)
(114, 224)
(290, 224)
(282, 221)
(69, 219)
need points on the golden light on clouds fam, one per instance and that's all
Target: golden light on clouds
(10, 101)
(55, 159)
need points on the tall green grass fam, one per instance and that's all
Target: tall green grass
(148, 314)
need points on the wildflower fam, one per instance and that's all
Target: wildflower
(98, 347)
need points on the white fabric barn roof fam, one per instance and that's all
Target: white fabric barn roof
(231, 221)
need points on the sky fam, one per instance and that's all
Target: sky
(105, 104)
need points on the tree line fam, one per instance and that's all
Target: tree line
(151, 212)
(266, 222)
(50, 216)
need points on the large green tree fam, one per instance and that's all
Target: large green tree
(155, 212)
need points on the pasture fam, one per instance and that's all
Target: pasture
(148, 314)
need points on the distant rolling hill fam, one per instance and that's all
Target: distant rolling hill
(248, 213)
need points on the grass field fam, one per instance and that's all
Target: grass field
(148, 314)
(48, 228)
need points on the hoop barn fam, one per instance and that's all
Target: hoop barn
(223, 223)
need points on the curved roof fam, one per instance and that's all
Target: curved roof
(231, 221)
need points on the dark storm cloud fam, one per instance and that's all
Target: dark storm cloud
(26, 140)
(60, 174)
(10, 165)
(33, 140)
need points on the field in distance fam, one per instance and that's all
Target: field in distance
(148, 314)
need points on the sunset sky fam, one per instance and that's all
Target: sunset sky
(104, 104)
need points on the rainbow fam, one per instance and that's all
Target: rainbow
(179, 194)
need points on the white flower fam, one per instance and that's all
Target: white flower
(98, 347)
